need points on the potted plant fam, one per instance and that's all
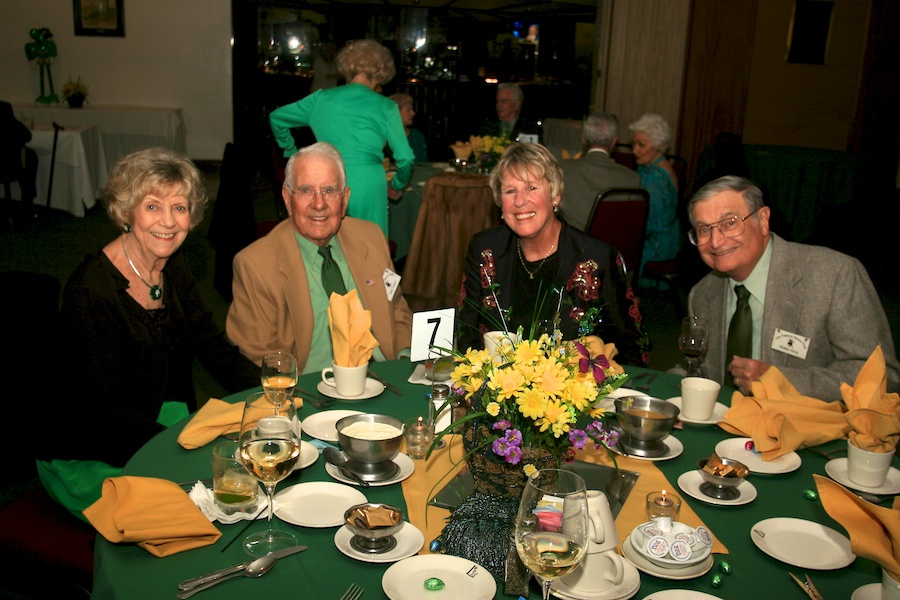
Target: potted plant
(74, 92)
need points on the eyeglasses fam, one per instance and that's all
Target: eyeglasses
(308, 193)
(731, 227)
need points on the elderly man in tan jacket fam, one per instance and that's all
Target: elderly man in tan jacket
(280, 296)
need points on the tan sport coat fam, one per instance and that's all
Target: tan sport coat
(272, 308)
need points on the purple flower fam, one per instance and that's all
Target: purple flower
(514, 456)
(501, 425)
(514, 437)
(501, 447)
(578, 437)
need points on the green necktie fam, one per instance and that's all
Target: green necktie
(332, 280)
(740, 332)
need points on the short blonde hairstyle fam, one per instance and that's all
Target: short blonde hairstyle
(524, 161)
(158, 171)
(366, 56)
(655, 128)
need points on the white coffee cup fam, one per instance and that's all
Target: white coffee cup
(274, 428)
(601, 568)
(603, 527)
(494, 339)
(698, 398)
(868, 469)
(348, 381)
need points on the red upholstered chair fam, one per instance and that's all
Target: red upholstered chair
(619, 219)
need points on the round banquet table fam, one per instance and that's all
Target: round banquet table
(323, 572)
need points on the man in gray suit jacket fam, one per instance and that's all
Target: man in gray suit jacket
(595, 171)
(815, 313)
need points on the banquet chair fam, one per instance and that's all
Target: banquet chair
(455, 206)
(619, 218)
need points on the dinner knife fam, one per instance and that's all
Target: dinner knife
(384, 382)
(188, 584)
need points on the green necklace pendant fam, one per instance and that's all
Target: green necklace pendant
(155, 292)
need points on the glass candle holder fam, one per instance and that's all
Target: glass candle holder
(663, 504)
(419, 433)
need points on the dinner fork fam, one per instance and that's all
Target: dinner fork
(353, 592)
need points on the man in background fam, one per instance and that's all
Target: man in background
(509, 121)
(595, 171)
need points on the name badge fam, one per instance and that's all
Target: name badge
(790, 343)
(391, 282)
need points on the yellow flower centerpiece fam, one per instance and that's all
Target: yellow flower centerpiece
(488, 149)
(74, 92)
(531, 406)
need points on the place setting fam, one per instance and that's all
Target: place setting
(698, 403)
(369, 451)
(720, 481)
(645, 424)
(744, 450)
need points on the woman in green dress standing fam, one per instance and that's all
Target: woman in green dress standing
(358, 121)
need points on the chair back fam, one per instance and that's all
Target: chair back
(619, 219)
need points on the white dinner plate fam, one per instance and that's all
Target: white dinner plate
(406, 464)
(609, 402)
(373, 388)
(308, 455)
(675, 449)
(735, 448)
(316, 503)
(463, 579)
(321, 425)
(718, 413)
(870, 591)
(690, 484)
(837, 470)
(631, 583)
(680, 595)
(803, 544)
(679, 574)
(409, 541)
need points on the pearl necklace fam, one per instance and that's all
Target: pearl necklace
(531, 274)
(155, 290)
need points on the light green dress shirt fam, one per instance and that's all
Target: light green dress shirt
(756, 285)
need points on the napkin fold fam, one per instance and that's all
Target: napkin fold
(351, 336)
(779, 419)
(596, 346)
(874, 530)
(872, 412)
(567, 154)
(462, 149)
(216, 418)
(155, 514)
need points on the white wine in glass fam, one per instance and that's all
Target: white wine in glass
(552, 525)
(692, 341)
(270, 447)
(279, 373)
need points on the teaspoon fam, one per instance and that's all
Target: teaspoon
(336, 458)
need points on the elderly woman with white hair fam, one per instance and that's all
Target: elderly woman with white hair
(650, 140)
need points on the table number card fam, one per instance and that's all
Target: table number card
(432, 328)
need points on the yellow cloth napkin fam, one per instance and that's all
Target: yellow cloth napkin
(874, 530)
(567, 154)
(872, 412)
(155, 514)
(597, 346)
(351, 336)
(214, 419)
(780, 420)
(427, 480)
(462, 149)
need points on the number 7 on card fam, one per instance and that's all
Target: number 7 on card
(431, 331)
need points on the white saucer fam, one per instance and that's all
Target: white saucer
(718, 413)
(680, 595)
(462, 578)
(735, 448)
(321, 425)
(631, 583)
(308, 455)
(373, 388)
(837, 470)
(406, 464)
(409, 541)
(871, 591)
(316, 503)
(804, 544)
(675, 449)
(690, 484)
(609, 402)
(680, 574)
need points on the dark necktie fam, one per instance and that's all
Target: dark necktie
(331, 273)
(740, 332)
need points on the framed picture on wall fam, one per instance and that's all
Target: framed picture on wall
(99, 17)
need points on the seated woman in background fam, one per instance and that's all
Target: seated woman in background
(662, 238)
(415, 137)
(131, 323)
(537, 268)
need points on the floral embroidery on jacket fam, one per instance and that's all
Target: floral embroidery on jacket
(488, 278)
(585, 281)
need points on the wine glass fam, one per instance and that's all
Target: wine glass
(692, 341)
(552, 525)
(270, 447)
(279, 373)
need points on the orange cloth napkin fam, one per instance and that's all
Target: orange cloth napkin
(155, 514)
(462, 149)
(874, 530)
(351, 336)
(780, 420)
(567, 154)
(597, 346)
(872, 412)
(214, 419)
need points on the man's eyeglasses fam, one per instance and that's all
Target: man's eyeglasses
(308, 193)
(731, 227)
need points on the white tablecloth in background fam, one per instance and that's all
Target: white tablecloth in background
(123, 129)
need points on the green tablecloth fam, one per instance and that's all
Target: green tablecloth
(323, 572)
